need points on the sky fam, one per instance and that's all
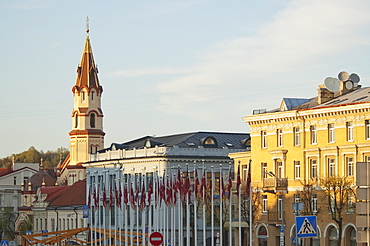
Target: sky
(169, 67)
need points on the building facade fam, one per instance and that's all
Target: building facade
(295, 149)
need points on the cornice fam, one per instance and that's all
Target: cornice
(87, 132)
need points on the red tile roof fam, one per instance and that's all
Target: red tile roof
(73, 195)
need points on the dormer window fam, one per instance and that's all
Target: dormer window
(230, 145)
(209, 142)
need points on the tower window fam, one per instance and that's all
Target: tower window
(83, 96)
(92, 120)
(76, 121)
(92, 95)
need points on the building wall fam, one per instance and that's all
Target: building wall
(333, 157)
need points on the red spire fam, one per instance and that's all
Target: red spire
(87, 72)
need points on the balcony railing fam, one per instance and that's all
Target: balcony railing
(275, 184)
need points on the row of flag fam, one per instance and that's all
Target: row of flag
(169, 189)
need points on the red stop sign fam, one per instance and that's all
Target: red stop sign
(156, 238)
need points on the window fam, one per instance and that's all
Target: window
(83, 96)
(313, 167)
(279, 169)
(314, 202)
(15, 181)
(279, 134)
(76, 121)
(297, 169)
(351, 204)
(280, 207)
(92, 120)
(263, 170)
(331, 133)
(52, 224)
(263, 139)
(350, 166)
(367, 129)
(264, 204)
(313, 133)
(331, 167)
(349, 128)
(92, 95)
(297, 136)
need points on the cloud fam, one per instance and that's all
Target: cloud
(298, 39)
(31, 4)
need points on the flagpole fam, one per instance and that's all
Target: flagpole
(221, 191)
(238, 181)
(230, 201)
(249, 180)
(143, 209)
(204, 186)
(195, 203)
(132, 201)
(109, 213)
(212, 208)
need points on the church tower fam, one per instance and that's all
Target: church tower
(87, 134)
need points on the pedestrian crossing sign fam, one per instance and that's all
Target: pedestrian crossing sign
(306, 226)
(4, 243)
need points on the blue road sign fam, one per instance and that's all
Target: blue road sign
(4, 243)
(281, 228)
(44, 231)
(294, 240)
(306, 226)
(85, 211)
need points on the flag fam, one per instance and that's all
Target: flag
(230, 185)
(187, 182)
(118, 194)
(174, 191)
(132, 196)
(105, 202)
(204, 184)
(238, 181)
(156, 192)
(179, 181)
(196, 184)
(96, 198)
(168, 194)
(150, 191)
(110, 195)
(248, 186)
(222, 186)
(211, 189)
(143, 196)
(125, 194)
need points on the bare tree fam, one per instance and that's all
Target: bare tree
(338, 193)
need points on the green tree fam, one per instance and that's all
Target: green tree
(338, 193)
(7, 225)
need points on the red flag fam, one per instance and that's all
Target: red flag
(187, 182)
(162, 191)
(210, 190)
(137, 194)
(238, 181)
(110, 195)
(179, 181)
(118, 194)
(249, 180)
(156, 192)
(168, 195)
(230, 185)
(204, 184)
(196, 184)
(125, 194)
(105, 202)
(174, 191)
(132, 196)
(143, 196)
(96, 197)
(222, 188)
(150, 191)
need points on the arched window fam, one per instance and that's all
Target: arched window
(92, 120)
(76, 121)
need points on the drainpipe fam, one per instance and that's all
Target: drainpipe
(57, 229)
(76, 217)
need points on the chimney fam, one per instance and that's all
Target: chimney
(324, 94)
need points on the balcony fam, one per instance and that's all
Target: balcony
(275, 185)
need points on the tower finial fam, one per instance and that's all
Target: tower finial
(87, 26)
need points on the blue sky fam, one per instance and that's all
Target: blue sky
(169, 67)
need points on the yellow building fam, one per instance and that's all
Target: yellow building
(294, 149)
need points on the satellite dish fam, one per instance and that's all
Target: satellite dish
(354, 78)
(332, 84)
(343, 76)
(349, 85)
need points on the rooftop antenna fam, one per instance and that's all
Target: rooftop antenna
(332, 84)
